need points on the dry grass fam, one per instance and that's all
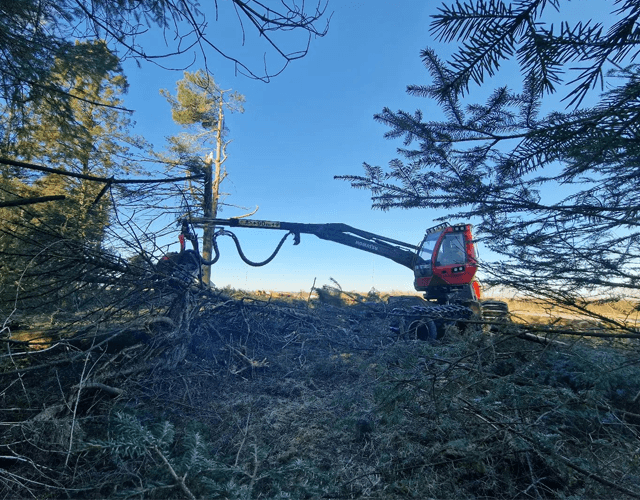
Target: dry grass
(620, 308)
(597, 316)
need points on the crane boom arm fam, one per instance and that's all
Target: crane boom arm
(400, 252)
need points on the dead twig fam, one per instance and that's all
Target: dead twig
(113, 391)
(245, 432)
(251, 363)
(75, 410)
(179, 480)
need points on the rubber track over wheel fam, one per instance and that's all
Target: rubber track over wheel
(449, 312)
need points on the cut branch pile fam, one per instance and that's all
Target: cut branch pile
(186, 393)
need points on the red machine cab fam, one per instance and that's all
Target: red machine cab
(447, 264)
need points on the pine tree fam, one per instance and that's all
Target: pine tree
(199, 106)
(94, 142)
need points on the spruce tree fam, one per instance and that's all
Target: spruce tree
(50, 244)
(553, 193)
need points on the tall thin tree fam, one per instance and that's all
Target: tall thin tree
(199, 106)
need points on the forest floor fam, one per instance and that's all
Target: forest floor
(237, 395)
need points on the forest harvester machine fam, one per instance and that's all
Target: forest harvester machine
(444, 266)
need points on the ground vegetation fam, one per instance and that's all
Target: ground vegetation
(195, 393)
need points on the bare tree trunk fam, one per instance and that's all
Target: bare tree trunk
(212, 192)
(207, 238)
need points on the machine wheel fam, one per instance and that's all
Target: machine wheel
(440, 316)
(424, 329)
(427, 321)
(495, 311)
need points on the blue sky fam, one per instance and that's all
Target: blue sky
(312, 122)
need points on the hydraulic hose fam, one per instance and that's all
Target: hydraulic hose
(224, 232)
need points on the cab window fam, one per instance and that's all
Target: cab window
(451, 251)
(426, 253)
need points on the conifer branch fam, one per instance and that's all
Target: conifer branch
(107, 180)
(31, 201)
